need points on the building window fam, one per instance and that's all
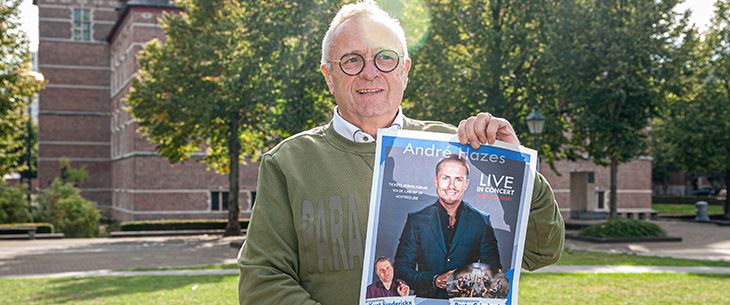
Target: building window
(218, 201)
(252, 197)
(82, 24)
(601, 199)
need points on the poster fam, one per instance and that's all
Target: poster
(447, 222)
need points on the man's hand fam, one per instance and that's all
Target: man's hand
(483, 128)
(443, 279)
(403, 288)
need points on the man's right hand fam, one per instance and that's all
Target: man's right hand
(443, 279)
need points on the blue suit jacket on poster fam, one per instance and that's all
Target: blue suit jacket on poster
(422, 252)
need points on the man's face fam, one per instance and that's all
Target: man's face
(371, 97)
(384, 271)
(451, 182)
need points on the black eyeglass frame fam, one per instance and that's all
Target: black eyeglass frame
(397, 63)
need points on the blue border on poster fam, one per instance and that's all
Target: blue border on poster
(454, 147)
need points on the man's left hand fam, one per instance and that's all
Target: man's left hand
(403, 289)
(485, 128)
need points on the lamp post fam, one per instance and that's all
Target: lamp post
(29, 146)
(535, 123)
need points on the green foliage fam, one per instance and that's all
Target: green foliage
(231, 79)
(694, 132)
(240, 64)
(41, 227)
(78, 217)
(486, 56)
(613, 64)
(195, 224)
(62, 205)
(623, 227)
(17, 86)
(13, 206)
(72, 175)
(610, 60)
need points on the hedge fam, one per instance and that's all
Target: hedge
(623, 227)
(686, 199)
(167, 225)
(41, 227)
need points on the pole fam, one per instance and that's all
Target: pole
(537, 147)
(29, 146)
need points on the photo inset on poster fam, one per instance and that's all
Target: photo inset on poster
(447, 222)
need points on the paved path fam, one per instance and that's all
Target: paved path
(550, 269)
(703, 241)
(27, 257)
(100, 256)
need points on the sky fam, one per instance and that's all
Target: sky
(701, 15)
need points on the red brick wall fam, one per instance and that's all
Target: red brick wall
(634, 182)
(74, 115)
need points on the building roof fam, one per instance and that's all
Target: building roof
(165, 4)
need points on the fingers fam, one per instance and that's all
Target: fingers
(485, 128)
(467, 132)
(497, 125)
(482, 120)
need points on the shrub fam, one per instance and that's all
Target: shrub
(72, 175)
(164, 225)
(78, 217)
(623, 227)
(48, 200)
(62, 205)
(12, 205)
(40, 227)
(686, 199)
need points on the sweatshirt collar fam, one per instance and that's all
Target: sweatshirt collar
(351, 132)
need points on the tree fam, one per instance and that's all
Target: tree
(486, 56)
(612, 61)
(17, 86)
(232, 78)
(696, 129)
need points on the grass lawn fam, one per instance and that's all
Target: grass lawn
(634, 289)
(595, 258)
(569, 257)
(202, 267)
(203, 289)
(543, 289)
(688, 209)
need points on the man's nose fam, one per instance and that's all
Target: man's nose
(369, 72)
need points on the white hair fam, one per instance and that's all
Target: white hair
(366, 8)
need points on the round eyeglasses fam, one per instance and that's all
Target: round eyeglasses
(353, 63)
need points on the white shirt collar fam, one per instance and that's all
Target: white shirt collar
(355, 134)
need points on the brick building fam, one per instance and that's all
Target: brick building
(87, 52)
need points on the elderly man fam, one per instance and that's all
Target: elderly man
(306, 238)
(444, 236)
(385, 287)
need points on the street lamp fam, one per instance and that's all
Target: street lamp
(535, 123)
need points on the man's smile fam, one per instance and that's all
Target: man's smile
(369, 91)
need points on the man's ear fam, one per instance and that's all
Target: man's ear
(327, 77)
(407, 66)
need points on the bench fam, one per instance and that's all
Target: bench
(28, 231)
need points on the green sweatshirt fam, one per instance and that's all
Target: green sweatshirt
(306, 238)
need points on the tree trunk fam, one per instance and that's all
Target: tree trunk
(613, 197)
(233, 228)
(727, 194)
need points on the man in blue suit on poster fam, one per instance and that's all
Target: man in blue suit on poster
(444, 236)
